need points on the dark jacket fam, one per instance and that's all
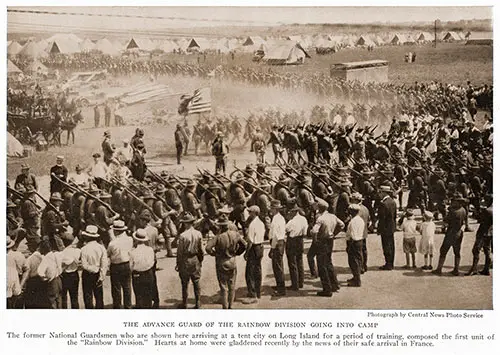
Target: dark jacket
(387, 216)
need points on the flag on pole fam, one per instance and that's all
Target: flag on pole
(201, 101)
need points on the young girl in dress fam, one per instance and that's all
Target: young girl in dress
(426, 247)
(409, 227)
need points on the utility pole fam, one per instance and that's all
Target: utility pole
(435, 34)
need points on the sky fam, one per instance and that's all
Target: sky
(186, 17)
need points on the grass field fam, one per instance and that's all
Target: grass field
(453, 63)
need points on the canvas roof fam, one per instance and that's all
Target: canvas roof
(364, 41)
(283, 51)
(14, 48)
(253, 40)
(65, 37)
(397, 38)
(87, 45)
(34, 50)
(141, 43)
(425, 36)
(64, 47)
(105, 46)
(451, 35)
(201, 43)
(12, 68)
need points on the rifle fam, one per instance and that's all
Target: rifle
(84, 193)
(20, 195)
(244, 173)
(275, 181)
(47, 203)
(294, 178)
(137, 198)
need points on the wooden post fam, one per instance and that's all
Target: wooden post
(435, 34)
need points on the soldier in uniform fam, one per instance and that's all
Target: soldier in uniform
(189, 259)
(54, 222)
(220, 150)
(276, 141)
(107, 148)
(25, 178)
(179, 142)
(237, 199)
(190, 203)
(484, 236)
(31, 219)
(15, 228)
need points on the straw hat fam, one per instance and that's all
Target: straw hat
(140, 235)
(91, 231)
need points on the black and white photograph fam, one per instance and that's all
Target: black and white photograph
(252, 158)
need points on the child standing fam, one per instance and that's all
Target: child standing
(409, 227)
(426, 247)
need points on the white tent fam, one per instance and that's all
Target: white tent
(64, 37)
(423, 37)
(143, 44)
(409, 40)
(87, 45)
(364, 41)
(106, 47)
(33, 50)
(200, 44)
(397, 39)
(14, 147)
(12, 69)
(62, 46)
(253, 41)
(451, 36)
(285, 52)
(14, 48)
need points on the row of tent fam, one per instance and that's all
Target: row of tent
(34, 67)
(70, 43)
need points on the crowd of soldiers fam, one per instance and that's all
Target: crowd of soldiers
(432, 97)
(123, 214)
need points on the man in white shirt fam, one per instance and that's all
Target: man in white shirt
(80, 178)
(142, 261)
(277, 237)
(50, 270)
(253, 255)
(119, 256)
(16, 266)
(98, 171)
(71, 257)
(94, 264)
(296, 230)
(323, 232)
(355, 237)
(124, 154)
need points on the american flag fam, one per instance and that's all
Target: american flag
(201, 101)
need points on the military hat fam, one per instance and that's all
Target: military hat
(276, 204)
(249, 169)
(213, 186)
(56, 196)
(354, 207)
(222, 220)
(145, 215)
(239, 176)
(346, 183)
(78, 167)
(25, 166)
(148, 196)
(190, 183)
(282, 177)
(187, 218)
(356, 196)
(93, 189)
(160, 189)
(385, 188)
(140, 235)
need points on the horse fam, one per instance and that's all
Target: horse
(70, 124)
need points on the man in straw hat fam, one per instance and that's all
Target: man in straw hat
(454, 234)
(326, 227)
(142, 265)
(386, 227)
(364, 213)
(119, 257)
(50, 270)
(70, 278)
(225, 247)
(254, 253)
(355, 236)
(296, 231)
(277, 237)
(94, 265)
(189, 259)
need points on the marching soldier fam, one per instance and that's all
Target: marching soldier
(104, 219)
(179, 142)
(189, 259)
(54, 222)
(190, 203)
(31, 219)
(220, 150)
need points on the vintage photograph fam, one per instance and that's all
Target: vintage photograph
(249, 158)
